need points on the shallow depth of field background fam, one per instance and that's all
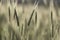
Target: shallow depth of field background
(44, 25)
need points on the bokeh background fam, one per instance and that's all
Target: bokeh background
(29, 19)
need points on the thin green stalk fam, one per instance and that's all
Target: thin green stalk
(52, 24)
(35, 17)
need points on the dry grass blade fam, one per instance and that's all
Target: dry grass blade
(22, 30)
(13, 36)
(15, 31)
(22, 6)
(35, 5)
(35, 2)
(26, 26)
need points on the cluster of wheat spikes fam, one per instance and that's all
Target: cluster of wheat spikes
(11, 27)
(55, 27)
(24, 33)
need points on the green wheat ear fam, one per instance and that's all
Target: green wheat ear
(9, 13)
(31, 17)
(15, 16)
(52, 24)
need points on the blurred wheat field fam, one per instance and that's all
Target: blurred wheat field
(29, 21)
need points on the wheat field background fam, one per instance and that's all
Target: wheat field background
(29, 21)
